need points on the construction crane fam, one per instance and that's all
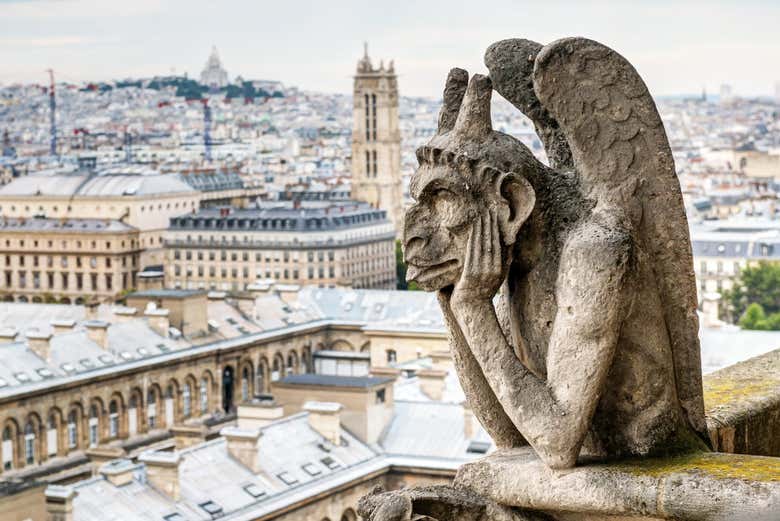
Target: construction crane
(207, 129)
(52, 117)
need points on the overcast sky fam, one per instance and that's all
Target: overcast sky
(678, 47)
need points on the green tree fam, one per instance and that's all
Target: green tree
(400, 269)
(759, 284)
(753, 318)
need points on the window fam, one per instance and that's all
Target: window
(287, 478)
(174, 517)
(254, 491)
(72, 430)
(330, 463)
(311, 469)
(213, 509)
(186, 396)
(94, 423)
(113, 419)
(204, 396)
(151, 409)
(380, 396)
(29, 443)
(8, 449)
(391, 356)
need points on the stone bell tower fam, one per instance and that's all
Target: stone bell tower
(376, 139)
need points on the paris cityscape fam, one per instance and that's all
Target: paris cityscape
(204, 309)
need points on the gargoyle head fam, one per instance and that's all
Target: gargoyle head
(465, 169)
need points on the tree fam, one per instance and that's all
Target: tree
(759, 284)
(400, 269)
(753, 318)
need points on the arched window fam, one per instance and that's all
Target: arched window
(29, 443)
(275, 369)
(8, 448)
(245, 384)
(186, 399)
(204, 395)
(260, 380)
(52, 435)
(291, 363)
(132, 416)
(73, 430)
(151, 409)
(113, 419)
(169, 409)
(94, 425)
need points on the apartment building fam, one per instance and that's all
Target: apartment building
(67, 260)
(325, 244)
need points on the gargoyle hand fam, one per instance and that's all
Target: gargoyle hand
(483, 267)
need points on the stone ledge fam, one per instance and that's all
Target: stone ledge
(742, 404)
(696, 487)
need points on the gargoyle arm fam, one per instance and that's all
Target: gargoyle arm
(554, 414)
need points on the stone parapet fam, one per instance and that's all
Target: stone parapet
(742, 404)
(696, 487)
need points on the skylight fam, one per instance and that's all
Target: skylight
(68, 368)
(174, 517)
(45, 373)
(311, 469)
(254, 491)
(87, 363)
(143, 351)
(126, 356)
(213, 509)
(287, 478)
(106, 359)
(330, 463)
(22, 377)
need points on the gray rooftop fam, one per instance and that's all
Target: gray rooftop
(335, 381)
(38, 224)
(102, 184)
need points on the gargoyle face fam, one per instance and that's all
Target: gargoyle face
(438, 225)
(437, 228)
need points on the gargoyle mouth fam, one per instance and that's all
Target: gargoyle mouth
(422, 273)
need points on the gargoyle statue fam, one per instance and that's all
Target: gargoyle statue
(595, 349)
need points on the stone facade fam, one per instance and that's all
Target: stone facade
(67, 260)
(376, 139)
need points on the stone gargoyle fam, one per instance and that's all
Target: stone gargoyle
(591, 349)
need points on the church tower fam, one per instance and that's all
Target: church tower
(376, 139)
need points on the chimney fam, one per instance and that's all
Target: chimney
(380, 371)
(442, 360)
(162, 472)
(325, 418)
(118, 472)
(97, 331)
(8, 334)
(469, 422)
(39, 343)
(432, 383)
(91, 310)
(242, 445)
(59, 502)
(258, 414)
(158, 320)
(63, 325)
(123, 313)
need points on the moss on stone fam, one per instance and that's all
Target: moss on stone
(714, 464)
(719, 392)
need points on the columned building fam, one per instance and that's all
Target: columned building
(376, 139)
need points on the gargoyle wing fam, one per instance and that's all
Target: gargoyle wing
(622, 155)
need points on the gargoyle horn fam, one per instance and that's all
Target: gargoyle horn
(474, 117)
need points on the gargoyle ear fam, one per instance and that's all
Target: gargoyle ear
(519, 198)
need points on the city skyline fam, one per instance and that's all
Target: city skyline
(678, 49)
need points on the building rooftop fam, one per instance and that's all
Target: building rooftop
(335, 381)
(39, 224)
(283, 216)
(105, 183)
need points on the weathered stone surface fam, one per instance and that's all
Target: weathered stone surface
(743, 406)
(699, 487)
(598, 352)
(438, 503)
